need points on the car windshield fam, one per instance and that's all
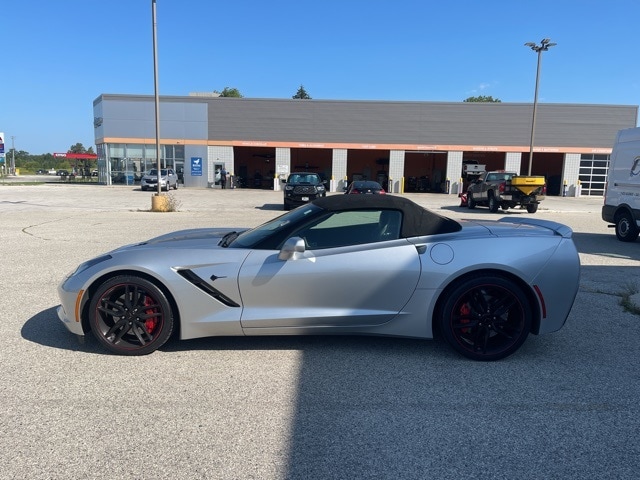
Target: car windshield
(250, 238)
(154, 171)
(366, 184)
(493, 177)
(298, 178)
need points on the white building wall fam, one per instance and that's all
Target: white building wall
(454, 172)
(513, 162)
(571, 174)
(339, 170)
(283, 166)
(218, 154)
(396, 172)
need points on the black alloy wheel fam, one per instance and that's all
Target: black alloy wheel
(471, 203)
(130, 315)
(626, 228)
(485, 317)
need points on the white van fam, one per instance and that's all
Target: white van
(622, 195)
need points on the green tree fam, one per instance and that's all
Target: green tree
(31, 163)
(77, 148)
(302, 93)
(229, 92)
(483, 98)
(20, 155)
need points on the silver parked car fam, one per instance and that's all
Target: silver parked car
(343, 264)
(168, 179)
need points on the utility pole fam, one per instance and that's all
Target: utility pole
(13, 155)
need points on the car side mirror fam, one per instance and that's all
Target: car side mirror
(292, 249)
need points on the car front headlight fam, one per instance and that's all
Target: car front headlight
(90, 263)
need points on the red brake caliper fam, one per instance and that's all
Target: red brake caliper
(465, 310)
(151, 323)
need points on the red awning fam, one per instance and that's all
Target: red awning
(77, 156)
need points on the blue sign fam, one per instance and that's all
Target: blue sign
(196, 166)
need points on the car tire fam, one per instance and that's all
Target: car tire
(471, 203)
(485, 317)
(493, 203)
(130, 315)
(626, 228)
(175, 187)
(532, 208)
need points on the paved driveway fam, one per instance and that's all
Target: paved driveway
(565, 406)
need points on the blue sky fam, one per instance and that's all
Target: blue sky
(59, 56)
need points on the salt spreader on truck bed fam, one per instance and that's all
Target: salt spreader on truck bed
(502, 189)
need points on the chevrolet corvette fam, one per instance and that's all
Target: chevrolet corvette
(342, 264)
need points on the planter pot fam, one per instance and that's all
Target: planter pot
(159, 203)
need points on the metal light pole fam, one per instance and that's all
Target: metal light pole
(543, 47)
(157, 98)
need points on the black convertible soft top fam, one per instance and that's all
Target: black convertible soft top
(417, 220)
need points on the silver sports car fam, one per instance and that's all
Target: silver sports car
(343, 264)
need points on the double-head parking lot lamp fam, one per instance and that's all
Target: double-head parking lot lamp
(545, 44)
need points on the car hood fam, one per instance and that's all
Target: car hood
(191, 238)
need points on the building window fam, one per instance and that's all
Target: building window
(127, 163)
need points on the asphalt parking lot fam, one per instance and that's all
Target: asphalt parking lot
(564, 406)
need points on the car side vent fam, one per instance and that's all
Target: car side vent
(191, 277)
